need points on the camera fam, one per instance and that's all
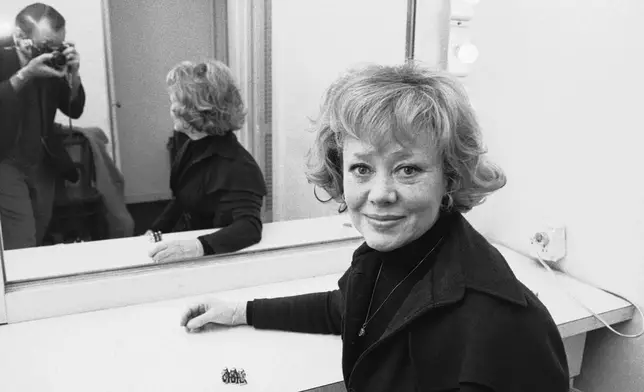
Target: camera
(58, 61)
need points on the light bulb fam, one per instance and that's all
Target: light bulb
(6, 29)
(467, 53)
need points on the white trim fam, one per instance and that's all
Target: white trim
(111, 88)
(432, 33)
(3, 280)
(64, 296)
(148, 197)
(257, 76)
(220, 30)
(240, 60)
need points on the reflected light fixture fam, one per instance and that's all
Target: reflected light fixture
(6, 29)
(467, 53)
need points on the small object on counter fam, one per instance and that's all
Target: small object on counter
(155, 236)
(233, 376)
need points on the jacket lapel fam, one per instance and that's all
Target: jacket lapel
(221, 145)
(465, 260)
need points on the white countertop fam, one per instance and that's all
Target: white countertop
(70, 259)
(142, 347)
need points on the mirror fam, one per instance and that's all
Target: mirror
(282, 53)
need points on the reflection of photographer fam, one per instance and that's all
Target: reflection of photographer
(38, 76)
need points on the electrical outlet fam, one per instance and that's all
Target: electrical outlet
(551, 243)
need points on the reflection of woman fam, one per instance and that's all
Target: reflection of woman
(215, 182)
(428, 303)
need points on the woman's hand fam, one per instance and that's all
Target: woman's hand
(168, 251)
(214, 311)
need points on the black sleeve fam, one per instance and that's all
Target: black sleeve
(471, 387)
(75, 108)
(8, 96)
(168, 218)
(245, 229)
(318, 313)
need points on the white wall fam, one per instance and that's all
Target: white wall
(85, 30)
(148, 38)
(558, 89)
(313, 42)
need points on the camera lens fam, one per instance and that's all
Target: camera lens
(59, 59)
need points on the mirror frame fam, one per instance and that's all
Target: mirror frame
(3, 301)
(91, 291)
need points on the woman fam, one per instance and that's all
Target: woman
(427, 304)
(215, 182)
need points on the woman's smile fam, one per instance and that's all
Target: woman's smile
(384, 221)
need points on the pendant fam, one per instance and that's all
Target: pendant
(362, 332)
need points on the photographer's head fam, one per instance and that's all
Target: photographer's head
(39, 25)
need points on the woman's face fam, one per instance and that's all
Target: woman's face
(394, 194)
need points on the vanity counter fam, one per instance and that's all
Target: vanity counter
(71, 259)
(143, 348)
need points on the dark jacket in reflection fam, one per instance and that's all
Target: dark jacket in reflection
(54, 95)
(461, 322)
(215, 183)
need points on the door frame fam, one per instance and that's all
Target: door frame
(221, 44)
(249, 35)
(111, 88)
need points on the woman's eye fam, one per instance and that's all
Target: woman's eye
(360, 170)
(409, 170)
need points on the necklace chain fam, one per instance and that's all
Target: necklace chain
(367, 318)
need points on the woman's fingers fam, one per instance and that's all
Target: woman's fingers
(199, 321)
(157, 248)
(190, 313)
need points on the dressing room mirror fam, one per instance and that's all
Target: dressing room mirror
(282, 53)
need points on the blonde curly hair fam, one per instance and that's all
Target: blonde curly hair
(384, 104)
(205, 97)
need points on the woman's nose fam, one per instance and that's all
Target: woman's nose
(382, 190)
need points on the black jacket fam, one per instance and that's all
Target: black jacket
(56, 96)
(215, 183)
(467, 325)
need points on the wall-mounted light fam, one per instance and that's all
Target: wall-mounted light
(467, 53)
(462, 10)
(462, 53)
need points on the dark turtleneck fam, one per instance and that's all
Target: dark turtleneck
(276, 313)
(396, 265)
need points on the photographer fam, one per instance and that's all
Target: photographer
(38, 76)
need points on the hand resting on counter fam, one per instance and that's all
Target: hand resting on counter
(167, 251)
(214, 311)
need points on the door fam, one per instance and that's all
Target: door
(147, 38)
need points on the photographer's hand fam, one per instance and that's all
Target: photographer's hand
(73, 59)
(73, 65)
(36, 68)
